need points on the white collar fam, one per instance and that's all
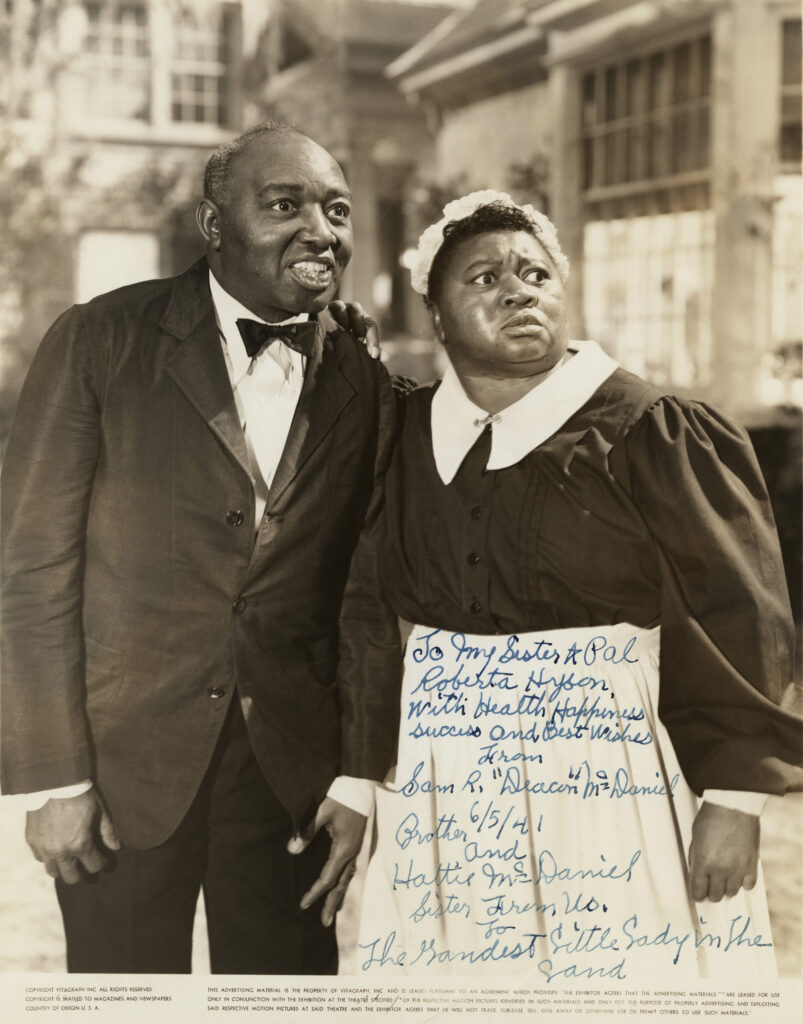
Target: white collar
(523, 425)
(228, 311)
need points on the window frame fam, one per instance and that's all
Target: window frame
(111, 66)
(624, 128)
(786, 91)
(163, 62)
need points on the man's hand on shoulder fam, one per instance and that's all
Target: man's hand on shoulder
(69, 834)
(352, 317)
(346, 829)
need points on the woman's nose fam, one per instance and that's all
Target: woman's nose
(317, 229)
(516, 292)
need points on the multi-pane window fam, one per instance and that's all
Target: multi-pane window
(790, 122)
(199, 81)
(160, 63)
(648, 235)
(118, 47)
(647, 290)
(646, 131)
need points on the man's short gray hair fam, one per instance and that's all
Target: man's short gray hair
(216, 172)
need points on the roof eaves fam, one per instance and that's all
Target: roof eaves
(569, 14)
(415, 82)
(411, 57)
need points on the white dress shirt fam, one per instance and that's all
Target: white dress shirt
(266, 392)
(457, 423)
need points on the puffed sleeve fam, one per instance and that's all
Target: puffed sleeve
(727, 637)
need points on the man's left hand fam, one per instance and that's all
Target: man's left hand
(346, 829)
(723, 855)
(352, 317)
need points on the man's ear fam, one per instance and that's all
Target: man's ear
(435, 317)
(207, 217)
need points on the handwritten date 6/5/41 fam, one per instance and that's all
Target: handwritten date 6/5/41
(489, 818)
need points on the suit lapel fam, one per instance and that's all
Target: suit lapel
(325, 393)
(198, 365)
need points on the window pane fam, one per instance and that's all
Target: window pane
(588, 163)
(633, 154)
(610, 94)
(703, 138)
(789, 140)
(657, 164)
(657, 81)
(681, 72)
(790, 128)
(791, 143)
(634, 88)
(200, 52)
(791, 52)
(589, 100)
(705, 66)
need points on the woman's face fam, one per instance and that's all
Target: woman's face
(501, 311)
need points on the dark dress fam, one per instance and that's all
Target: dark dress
(644, 509)
(509, 841)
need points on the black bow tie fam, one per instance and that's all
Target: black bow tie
(298, 336)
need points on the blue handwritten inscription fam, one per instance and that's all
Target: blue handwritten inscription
(510, 746)
(577, 944)
(465, 688)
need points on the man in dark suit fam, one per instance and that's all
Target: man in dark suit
(182, 494)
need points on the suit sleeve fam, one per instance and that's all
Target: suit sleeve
(727, 637)
(47, 481)
(369, 671)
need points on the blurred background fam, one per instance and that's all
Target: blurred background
(663, 137)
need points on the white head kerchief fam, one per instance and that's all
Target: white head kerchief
(432, 239)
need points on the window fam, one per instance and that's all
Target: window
(789, 142)
(199, 80)
(159, 63)
(118, 48)
(647, 293)
(646, 131)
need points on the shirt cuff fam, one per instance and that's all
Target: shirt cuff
(33, 801)
(736, 800)
(357, 794)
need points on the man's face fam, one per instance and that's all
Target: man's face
(284, 227)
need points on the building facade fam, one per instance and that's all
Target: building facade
(110, 108)
(663, 137)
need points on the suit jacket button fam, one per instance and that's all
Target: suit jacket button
(475, 607)
(240, 604)
(235, 517)
(216, 692)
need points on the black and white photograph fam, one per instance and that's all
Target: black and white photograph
(401, 509)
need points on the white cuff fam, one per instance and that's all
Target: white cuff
(358, 794)
(736, 800)
(33, 801)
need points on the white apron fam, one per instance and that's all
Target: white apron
(552, 846)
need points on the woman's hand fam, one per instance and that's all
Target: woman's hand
(723, 855)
